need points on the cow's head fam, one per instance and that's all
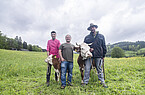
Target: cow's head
(49, 59)
(85, 50)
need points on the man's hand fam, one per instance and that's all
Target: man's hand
(91, 49)
(62, 59)
(60, 54)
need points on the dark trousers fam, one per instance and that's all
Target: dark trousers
(49, 73)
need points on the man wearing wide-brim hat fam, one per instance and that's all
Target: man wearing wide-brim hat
(98, 49)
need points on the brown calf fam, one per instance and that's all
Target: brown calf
(81, 64)
(56, 64)
(85, 53)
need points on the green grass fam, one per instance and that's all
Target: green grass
(25, 73)
(130, 53)
(141, 52)
(143, 49)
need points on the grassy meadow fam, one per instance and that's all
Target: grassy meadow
(24, 73)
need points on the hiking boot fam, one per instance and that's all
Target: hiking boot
(70, 84)
(83, 84)
(47, 83)
(100, 83)
(104, 85)
(62, 87)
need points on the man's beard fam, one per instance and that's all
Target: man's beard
(67, 41)
(93, 30)
(53, 38)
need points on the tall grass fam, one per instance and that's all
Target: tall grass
(25, 73)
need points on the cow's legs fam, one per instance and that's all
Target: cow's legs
(56, 76)
(82, 74)
(60, 75)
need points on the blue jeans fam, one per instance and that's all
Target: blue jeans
(65, 65)
(98, 63)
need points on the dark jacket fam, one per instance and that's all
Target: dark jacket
(98, 44)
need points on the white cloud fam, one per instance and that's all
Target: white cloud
(34, 20)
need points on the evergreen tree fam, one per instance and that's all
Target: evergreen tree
(30, 47)
(24, 45)
(19, 43)
(3, 40)
(16, 42)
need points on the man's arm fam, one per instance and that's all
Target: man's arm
(58, 45)
(47, 53)
(48, 48)
(60, 54)
(88, 40)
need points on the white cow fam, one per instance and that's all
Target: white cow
(85, 50)
(84, 54)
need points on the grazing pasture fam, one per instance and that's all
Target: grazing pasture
(23, 72)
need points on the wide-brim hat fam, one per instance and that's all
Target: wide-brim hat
(91, 25)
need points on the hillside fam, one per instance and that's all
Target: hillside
(130, 48)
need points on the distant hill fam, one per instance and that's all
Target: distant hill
(133, 47)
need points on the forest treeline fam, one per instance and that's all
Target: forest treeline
(17, 44)
(130, 48)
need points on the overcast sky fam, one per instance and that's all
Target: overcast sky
(33, 20)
